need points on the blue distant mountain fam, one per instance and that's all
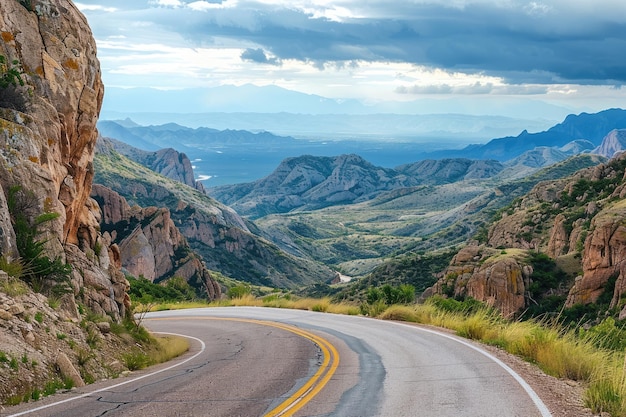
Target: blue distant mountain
(591, 127)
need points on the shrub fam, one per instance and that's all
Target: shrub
(10, 82)
(239, 291)
(10, 73)
(175, 289)
(39, 317)
(135, 360)
(37, 266)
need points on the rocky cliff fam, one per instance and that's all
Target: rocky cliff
(49, 225)
(168, 162)
(578, 222)
(48, 148)
(612, 144)
(150, 244)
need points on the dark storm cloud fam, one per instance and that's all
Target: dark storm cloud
(258, 55)
(520, 41)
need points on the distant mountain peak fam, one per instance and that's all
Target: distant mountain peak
(612, 144)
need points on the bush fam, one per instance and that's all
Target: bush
(467, 306)
(239, 291)
(135, 360)
(37, 267)
(175, 289)
(11, 96)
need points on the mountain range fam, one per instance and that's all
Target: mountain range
(214, 231)
(226, 157)
(589, 127)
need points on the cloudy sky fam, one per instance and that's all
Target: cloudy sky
(566, 52)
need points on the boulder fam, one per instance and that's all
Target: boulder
(67, 369)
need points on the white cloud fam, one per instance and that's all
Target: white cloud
(168, 3)
(95, 7)
(203, 6)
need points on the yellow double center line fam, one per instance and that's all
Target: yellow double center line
(313, 385)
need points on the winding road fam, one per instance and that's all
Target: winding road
(248, 361)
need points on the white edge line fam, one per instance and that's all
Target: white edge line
(67, 400)
(545, 412)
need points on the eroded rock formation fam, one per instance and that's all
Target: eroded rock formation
(150, 244)
(47, 141)
(579, 220)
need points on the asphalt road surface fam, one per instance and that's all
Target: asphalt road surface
(248, 361)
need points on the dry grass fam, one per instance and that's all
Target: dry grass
(344, 308)
(401, 313)
(14, 287)
(246, 300)
(168, 347)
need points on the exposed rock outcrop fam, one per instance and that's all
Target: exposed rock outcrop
(47, 141)
(48, 147)
(612, 144)
(499, 280)
(604, 258)
(579, 219)
(150, 245)
(167, 161)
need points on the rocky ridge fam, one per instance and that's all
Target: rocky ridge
(166, 161)
(577, 221)
(310, 183)
(150, 244)
(613, 143)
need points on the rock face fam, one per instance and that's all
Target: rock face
(580, 220)
(605, 256)
(167, 162)
(47, 141)
(612, 144)
(150, 245)
(484, 274)
(47, 145)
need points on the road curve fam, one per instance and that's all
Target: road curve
(288, 362)
(394, 369)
